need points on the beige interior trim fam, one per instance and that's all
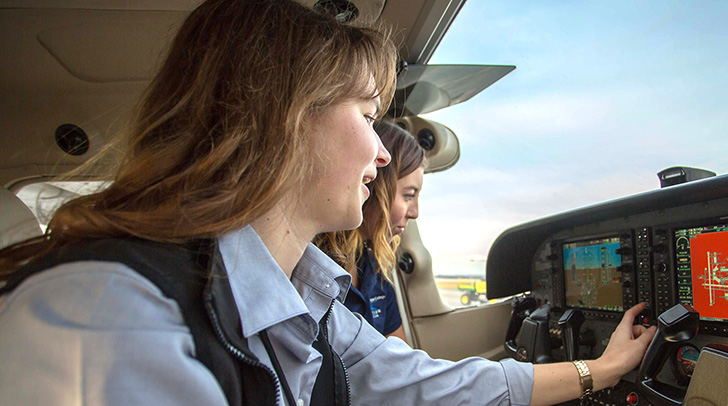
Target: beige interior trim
(403, 313)
(422, 296)
(86, 62)
(148, 5)
(471, 331)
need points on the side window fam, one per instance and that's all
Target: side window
(457, 236)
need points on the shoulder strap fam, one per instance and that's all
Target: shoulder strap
(277, 366)
(332, 382)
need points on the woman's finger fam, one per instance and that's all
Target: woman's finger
(630, 314)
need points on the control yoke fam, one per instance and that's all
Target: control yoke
(676, 325)
(534, 342)
(522, 308)
(570, 323)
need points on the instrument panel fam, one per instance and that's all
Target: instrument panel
(662, 247)
(602, 274)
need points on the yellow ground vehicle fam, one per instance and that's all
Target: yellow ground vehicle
(473, 290)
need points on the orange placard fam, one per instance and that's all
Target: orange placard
(709, 263)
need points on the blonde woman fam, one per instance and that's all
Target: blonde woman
(368, 252)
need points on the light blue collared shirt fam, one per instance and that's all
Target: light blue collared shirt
(98, 333)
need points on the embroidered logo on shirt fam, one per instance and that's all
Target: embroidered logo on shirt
(376, 312)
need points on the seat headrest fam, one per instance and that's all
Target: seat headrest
(17, 222)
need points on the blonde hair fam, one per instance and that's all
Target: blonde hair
(220, 135)
(347, 247)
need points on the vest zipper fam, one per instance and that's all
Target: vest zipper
(333, 353)
(346, 378)
(238, 353)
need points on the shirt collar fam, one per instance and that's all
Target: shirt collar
(264, 295)
(322, 274)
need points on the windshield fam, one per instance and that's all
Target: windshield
(604, 96)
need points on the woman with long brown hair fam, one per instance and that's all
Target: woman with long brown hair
(368, 252)
(191, 280)
(254, 136)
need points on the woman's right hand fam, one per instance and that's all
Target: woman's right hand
(626, 347)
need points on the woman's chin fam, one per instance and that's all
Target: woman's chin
(348, 224)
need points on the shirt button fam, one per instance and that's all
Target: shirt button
(299, 402)
(327, 285)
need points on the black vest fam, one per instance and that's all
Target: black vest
(195, 277)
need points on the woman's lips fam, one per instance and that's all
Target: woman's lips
(366, 191)
(364, 182)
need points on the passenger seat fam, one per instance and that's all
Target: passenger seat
(17, 222)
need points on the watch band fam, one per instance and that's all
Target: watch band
(587, 385)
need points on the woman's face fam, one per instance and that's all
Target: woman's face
(350, 152)
(404, 206)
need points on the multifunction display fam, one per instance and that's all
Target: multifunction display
(701, 256)
(591, 275)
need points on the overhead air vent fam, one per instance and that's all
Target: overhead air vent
(343, 10)
(72, 139)
(347, 11)
(426, 139)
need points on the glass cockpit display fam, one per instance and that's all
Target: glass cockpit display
(591, 275)
(701, 255)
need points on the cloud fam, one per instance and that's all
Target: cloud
(465, 216)
(601, 100)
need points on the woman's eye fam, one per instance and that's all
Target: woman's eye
(370, 119)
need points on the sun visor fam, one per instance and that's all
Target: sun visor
(426, 88)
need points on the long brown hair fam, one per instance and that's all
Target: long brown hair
(220, 135)
(346, 247)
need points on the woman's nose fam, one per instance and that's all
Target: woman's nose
(414, 211)
(383, 156)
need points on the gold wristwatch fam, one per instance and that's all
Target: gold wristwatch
(587, 385)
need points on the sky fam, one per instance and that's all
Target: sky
(605, 95)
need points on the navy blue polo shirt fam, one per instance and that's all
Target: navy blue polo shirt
(375, 299)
